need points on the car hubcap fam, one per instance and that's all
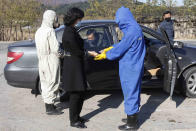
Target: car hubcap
(191, 84)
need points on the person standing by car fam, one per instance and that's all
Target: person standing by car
(49, 66)
(130, 52)
(74, 79)
(167, 25)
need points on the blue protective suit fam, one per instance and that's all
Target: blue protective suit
(130, 52)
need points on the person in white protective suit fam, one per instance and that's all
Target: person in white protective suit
(49, 62)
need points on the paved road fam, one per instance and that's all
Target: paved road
(21, 111)
(189, 42)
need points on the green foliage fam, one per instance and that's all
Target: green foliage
(19, 11)
(63, 8)
(149, 11)
(189, 3)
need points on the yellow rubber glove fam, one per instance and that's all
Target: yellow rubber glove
(101, 56)
(107, 49)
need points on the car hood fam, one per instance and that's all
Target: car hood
(189, 45)
(186, 55)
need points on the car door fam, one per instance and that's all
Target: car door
(170, 66)
(100, 74)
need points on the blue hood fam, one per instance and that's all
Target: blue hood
(124, 19)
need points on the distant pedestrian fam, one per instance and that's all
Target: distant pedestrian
(167, 25)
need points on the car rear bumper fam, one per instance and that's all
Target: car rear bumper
(21, 77)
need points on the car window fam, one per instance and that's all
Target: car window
(149, 36)
(120, 34)
(96, 38)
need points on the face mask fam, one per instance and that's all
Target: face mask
(168, 19)
(56, 23)
(78, 22)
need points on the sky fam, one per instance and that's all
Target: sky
(179, 2)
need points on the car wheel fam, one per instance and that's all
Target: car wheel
(62, 93)
(189, 82)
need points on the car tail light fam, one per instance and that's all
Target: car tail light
(13, 56)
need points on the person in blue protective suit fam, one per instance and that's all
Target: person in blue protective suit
(130, 52)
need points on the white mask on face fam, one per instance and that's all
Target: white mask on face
(78, 23)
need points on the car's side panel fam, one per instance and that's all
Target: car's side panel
(29, 58)
(186, 57)
(24, 72)
(21, 77)
(102, 74)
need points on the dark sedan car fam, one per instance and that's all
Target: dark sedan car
(173, 64)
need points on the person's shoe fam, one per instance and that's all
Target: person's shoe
(124, 120)
(78, 124)
(83, 120)
(51, 110)
(55, 107)
(131, 124)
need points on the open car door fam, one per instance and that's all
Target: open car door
(170, 73)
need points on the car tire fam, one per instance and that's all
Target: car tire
(189, 82)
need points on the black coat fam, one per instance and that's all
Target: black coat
(169, 28)
(74, 78)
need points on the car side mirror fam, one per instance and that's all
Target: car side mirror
(178, 44)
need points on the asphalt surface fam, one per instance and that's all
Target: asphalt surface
(21, 111)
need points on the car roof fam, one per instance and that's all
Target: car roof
(89, 22)
(95, 22)
(111, 22)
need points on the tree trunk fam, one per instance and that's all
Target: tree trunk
(10, 34)
(21, 32)
(16, 35)
(29, 31)
(3, 33)
(0, 33)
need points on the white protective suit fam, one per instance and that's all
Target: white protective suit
(49, 63)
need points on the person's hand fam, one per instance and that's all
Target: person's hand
(61, 53)
(101, 56)
(93, 53)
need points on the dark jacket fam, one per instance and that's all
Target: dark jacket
(72, 42)
(168, 26)
(74, 78)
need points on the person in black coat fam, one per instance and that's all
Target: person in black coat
(167, 25)
(74, 80)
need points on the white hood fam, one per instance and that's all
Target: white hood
(49, 18)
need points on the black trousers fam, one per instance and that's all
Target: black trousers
(75, 105)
